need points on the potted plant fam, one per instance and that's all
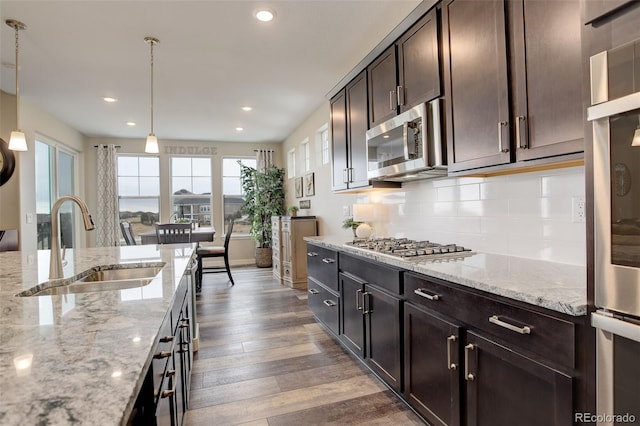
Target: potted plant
(264, 197)
(350, 223)
(293, 210)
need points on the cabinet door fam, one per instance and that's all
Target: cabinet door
(547, 78)
(357, 129)
(382, 80)
(418, 63)
(432, 366)
(510, 389)
(476, 85)
(338, 107)
(383, 335)
(351, 317)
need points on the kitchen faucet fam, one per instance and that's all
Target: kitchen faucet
(55, 262)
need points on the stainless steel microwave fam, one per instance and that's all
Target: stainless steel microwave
(408, 146)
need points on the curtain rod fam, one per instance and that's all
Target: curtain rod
(269, 150)
(98, 146)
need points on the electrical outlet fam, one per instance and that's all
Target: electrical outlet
(346, 211)
(578, 210)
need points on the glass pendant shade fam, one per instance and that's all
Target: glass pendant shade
(151, 146)
(18, 141)
(636, 138)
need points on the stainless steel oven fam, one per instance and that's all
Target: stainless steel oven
(615, 115)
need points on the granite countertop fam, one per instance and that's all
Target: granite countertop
(556, 286)
(80, 358)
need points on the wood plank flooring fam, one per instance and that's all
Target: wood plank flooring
(264, 360)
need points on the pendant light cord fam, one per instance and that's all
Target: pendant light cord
(151, 43)
(17, 28)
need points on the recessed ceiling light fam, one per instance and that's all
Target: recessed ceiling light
(246, 108)
(265, 15)
(109, 99)
(130, 123)
(239, 129)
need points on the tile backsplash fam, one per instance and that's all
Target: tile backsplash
(526, 215)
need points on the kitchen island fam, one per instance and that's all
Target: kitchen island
(81, 358)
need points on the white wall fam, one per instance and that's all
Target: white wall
(525, 215)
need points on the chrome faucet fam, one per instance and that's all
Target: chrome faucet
(55, 263)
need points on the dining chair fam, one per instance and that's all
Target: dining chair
(172, 233)
(215, 251)
(127, 233)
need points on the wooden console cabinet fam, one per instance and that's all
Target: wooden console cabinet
(289, 248)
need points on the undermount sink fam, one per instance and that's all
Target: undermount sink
(99, 278)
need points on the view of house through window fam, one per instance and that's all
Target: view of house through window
(191, 190)
(139, 192)
(232, 194)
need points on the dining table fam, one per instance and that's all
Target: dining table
(198, 235)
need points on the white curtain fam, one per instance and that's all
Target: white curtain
(107, 218)
(264, 159)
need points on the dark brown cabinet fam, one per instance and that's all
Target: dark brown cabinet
(322, 284)
(545, 117)
(370, 316)
(349, 127)
(407, 73)
(506, 388)
(432, 365)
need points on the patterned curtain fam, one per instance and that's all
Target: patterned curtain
(107, 217)
(264, 159)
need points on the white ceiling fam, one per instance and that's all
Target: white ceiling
(213, 58)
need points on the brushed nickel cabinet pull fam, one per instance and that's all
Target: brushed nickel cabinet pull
(313, 291)
(328, 260)
(494, 319)
(170, 392)
(329, 303)
(391, 100)
(350, 174)
(166, 339)
(358, 307)
(421, 292)
(345, 175)
(366, 303)
(519, 118)
(162, 354)
(501, 124)
(450, 340)
(312, 254)
(400, 95)
(468, 376)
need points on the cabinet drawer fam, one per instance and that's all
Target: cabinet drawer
(322, 265)
(550, 337)
(324, 304)
(286, 226)
(372, 273)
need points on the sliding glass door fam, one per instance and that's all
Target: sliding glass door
(55, 176)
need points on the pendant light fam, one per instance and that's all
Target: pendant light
(152, 141)
(636, 135)
(17, 141)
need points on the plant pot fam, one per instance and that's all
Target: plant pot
(293, 214)
(263, 257)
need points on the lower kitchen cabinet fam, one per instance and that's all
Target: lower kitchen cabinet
(432, 366)
(351, 314)
(505, 388)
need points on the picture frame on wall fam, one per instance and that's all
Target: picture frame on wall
(298, 184)
(309, 185)
(305, 204)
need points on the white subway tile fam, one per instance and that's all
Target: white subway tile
(469, 192)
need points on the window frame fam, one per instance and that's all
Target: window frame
(235, 233)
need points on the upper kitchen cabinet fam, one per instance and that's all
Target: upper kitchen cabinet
(543, 59)
(349, 127)
(407, 73)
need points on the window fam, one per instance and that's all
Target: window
(291, 163)
(306, 151)
(55, 177)
(191, 189)
(322, 137)
(232, 194)
(139, 191)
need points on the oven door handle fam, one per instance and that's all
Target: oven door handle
(604, 321)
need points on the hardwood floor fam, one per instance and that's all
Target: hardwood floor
(264, 360)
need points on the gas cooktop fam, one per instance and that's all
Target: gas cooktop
(410, 249)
